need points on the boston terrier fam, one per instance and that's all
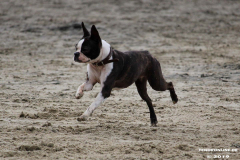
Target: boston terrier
(115, 69)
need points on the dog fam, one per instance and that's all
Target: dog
(114, 69)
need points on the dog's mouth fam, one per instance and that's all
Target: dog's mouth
(80, 58)
(76, 59)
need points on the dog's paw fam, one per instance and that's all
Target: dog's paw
(175, 100)
(154, 122)
(79, 95)
(82, 118)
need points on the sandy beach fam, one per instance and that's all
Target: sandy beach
(197, 43)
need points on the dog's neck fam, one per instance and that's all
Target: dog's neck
(103, 52)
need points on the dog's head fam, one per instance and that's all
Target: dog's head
(89, 47)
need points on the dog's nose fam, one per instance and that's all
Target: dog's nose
(76, 54)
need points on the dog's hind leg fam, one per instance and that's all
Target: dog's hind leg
(172, 93)
(157, 81)
(142, 90)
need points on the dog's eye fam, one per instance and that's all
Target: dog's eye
(76, 46)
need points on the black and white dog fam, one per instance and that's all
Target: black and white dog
(115, 69)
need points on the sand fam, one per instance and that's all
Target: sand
(196, 42)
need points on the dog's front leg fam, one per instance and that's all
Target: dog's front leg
(107, 83)
(87, 86)
(98, 101)
(104, 94)
(79, 92)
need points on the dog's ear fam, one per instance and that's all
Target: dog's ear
(85, 31)
(95, 35)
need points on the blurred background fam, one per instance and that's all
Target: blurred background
(137, 24)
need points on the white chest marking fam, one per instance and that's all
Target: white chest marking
(98, 74)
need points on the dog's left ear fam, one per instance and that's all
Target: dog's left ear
(85, 31)
(95, 35)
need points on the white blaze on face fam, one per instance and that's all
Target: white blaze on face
(82, 57)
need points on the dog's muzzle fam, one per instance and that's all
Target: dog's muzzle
(76, 55)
